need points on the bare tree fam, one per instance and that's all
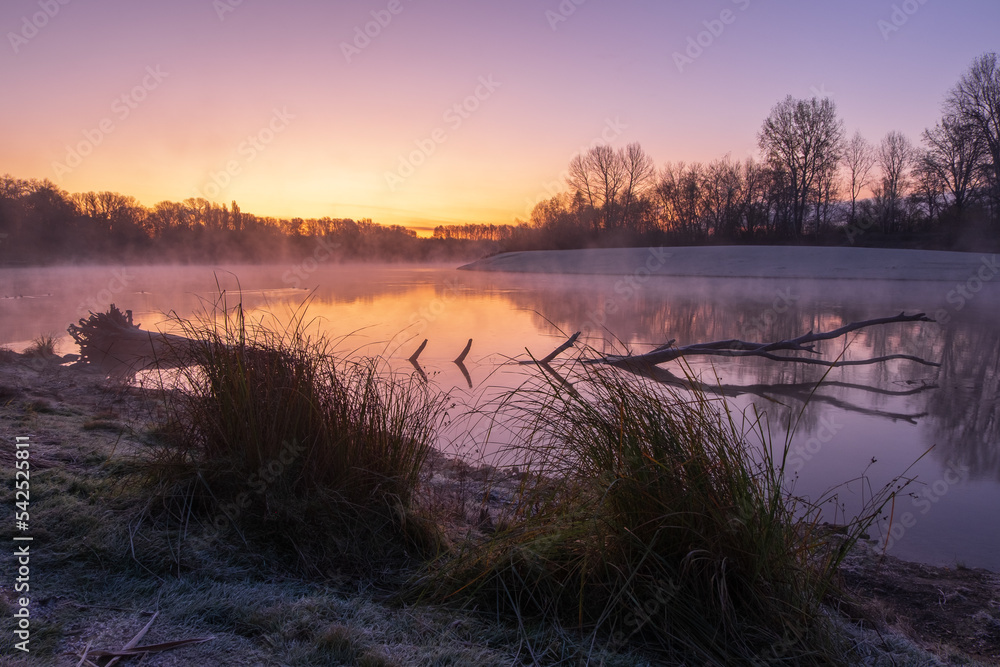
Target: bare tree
(169, 217)
(976, 100)
(679, 195)
(928, 185)
(858, 160)
(827, 189)
(722, 197)
(954, 154)
(640, 173)
(803, 138)
(582, 178)
(756, 211)
(895, 158)
(86, 203)
(599, 174)
(121, 214)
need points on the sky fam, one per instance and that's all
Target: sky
(425, 112)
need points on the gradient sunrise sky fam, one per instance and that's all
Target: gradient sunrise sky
(444, 112)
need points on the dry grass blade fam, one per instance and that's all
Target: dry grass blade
(150, 648)
(83, 658)
(135, 640)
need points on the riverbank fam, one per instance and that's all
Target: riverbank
(91, 587)
(786, 262)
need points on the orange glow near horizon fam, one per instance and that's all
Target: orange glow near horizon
(442, 114)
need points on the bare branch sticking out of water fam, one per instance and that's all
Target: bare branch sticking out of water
(554, 353)
(413, 357)
(465, 353)
(739, 348)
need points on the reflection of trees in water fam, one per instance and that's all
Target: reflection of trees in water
(965, 410)
(965, 413)
(794, 395)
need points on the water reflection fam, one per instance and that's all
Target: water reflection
(960, 398)
(965, 414)
(890, 411)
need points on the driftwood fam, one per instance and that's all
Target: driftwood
(647, 365)
(739, 348)
(461, 358)
(460, 362)
(556, 352)
(112, 339)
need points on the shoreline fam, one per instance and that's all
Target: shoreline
(79, 419)
(751, 262)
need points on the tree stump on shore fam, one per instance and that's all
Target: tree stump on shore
(112, 339)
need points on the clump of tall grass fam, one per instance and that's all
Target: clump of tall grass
(42, 345)
(272, 433)
(652, 517)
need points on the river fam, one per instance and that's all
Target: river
(942, 424)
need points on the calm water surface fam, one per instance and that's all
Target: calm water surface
(894, 413)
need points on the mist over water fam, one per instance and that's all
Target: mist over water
(892, 412)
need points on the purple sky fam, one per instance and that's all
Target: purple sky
(258, 101)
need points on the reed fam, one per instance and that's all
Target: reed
(269, 432)
(656, 517)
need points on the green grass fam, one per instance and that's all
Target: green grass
(271, 434)
(650, 517)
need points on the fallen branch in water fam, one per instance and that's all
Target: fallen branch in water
(739, 348)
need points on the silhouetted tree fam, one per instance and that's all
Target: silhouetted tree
(678, 194)
(757, 214)
(803, 138)
(895, 158)
(975, 101)
(858, 160)
(598, 175)
(954, 154)
(612, 183)
(928, 186)
(723, 199)
(827, 189)
(640, 173)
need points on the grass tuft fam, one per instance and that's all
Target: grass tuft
(41, 346)
(650, 517)
(269, 433)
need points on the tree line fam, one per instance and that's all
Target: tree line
(812, 183)
(41, 224)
